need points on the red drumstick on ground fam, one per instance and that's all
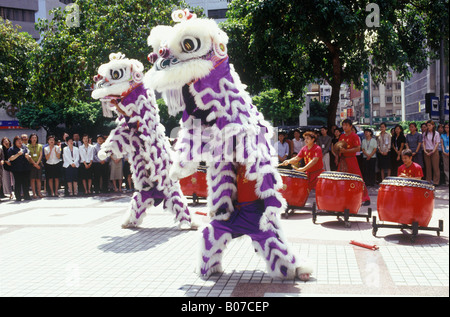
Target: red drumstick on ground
(201, 213)
(367, 246)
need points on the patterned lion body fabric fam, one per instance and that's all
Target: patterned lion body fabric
(221, 127)
(140, 135)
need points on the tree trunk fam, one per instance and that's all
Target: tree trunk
(335, 84)
(334, 102)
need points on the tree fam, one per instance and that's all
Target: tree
(15, 49)
(281, 110)
(318, 112)
(168, 121)
(70, 54)
(284, 44)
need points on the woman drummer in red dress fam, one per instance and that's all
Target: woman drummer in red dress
(349, 154)
(312, 153)
(409, 169)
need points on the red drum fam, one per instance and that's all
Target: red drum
(405, 200)
(245, 187)
(195, 184)
(295, 187)
(337, 191)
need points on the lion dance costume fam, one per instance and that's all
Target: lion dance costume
(221, 127)
(140, 135)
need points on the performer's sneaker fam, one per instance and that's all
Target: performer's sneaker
(366, 203)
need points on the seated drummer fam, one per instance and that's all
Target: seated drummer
(312, 154)
(409, 169)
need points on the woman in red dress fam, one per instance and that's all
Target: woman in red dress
(349, 154)
(312, 153)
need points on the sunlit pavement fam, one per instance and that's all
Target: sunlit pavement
(76, 247)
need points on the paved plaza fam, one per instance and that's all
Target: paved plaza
(76, 247)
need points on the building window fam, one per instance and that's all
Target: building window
(376, 99)
(389, 112)
(389, 86)
(398, 99)
(398, 112)
(398, 86)
(217, 14)
(375, 113)
(388, 99)
(13, 14)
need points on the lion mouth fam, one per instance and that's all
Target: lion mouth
(165, 63)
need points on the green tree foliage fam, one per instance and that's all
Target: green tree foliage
(70, 54)
(286, 44)
(318, 112)
(280, 109)
(15, 49)
(168, 121)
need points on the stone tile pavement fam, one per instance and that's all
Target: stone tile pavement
(75, 247)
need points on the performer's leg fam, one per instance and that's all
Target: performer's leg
(176, 203)
(139, 204)
(270, 244)
(213, 241)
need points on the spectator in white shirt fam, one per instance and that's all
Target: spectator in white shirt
(71, 164)
(52, 154)
(282, 147)
(85, 170)
(298, 143)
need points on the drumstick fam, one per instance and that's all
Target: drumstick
(201, 213)
(367, 246)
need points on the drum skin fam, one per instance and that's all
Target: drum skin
(295, 187)
(402, 203)
(337, 191)
(195, 184)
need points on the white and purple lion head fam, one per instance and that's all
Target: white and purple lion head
(115, 79)
(185, 52)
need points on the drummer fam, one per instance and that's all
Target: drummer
(312, 153)
(409, 169)
(349, 154)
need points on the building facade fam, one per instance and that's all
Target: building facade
(420, 84)
(213, 9)
(21, 12)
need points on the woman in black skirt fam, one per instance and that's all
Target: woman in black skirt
(20, 167)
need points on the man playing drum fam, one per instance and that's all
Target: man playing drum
(409, 169)
(349, 154)
(312, 153)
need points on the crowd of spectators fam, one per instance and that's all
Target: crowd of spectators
(70, 167)
(73, 164)
(381, 150)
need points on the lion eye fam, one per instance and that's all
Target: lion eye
(190, 44)
(116, 74)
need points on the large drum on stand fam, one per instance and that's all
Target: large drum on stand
(339, 193)
(295, 187)
(195, 185)
(407, 202)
